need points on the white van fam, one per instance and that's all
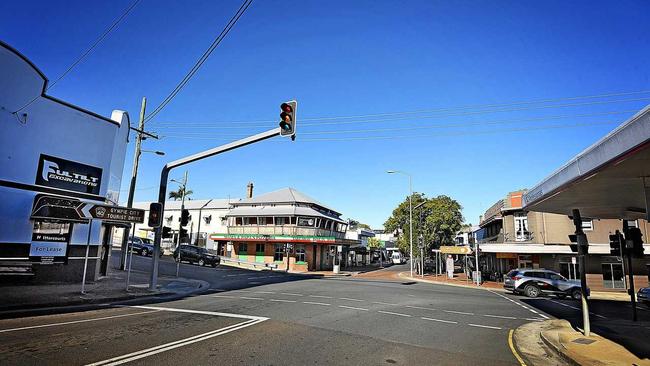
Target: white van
(398, 258)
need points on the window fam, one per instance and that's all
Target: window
(306, 221)
(587, 224)
(239, 221)
(265, 220)
(293, 220)
(278, 255)
(632, 223)
(259, 249)
(521, 226)
(570, 270)
(243, 248)
(300, 253)
(250, 220)
(613, 275)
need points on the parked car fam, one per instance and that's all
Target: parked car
(534, 282)
(142, 246)
(643, 296)
(198, 255)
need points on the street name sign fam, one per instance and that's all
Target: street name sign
(116, 213)
(455, 249)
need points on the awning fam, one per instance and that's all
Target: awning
(604, 181)
(543, 248)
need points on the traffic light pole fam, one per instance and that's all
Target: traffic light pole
(582, 256)
(164, 176)
(628, 254)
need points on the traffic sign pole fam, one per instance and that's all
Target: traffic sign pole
(83, 281)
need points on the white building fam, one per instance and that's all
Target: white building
(54, 157)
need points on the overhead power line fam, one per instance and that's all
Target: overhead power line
(87, 52)
(479, 108)
(215, 43)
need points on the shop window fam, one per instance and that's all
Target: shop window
(521, 227)
(525, 261)
(301, 256)
(570, 270)
(259, 249)
(278, 255)
(613, 275)
(306, 221)
(243, 248)
(587, 224)
(250, 220)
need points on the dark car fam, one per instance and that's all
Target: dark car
(142, 246)
(534, 282)
(643, 296)
(198, 255)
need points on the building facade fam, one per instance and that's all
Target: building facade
(284, 226)
(511, 237)
(55, 158)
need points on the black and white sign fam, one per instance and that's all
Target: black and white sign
(50, 243)
(53, 207)
(65, 174)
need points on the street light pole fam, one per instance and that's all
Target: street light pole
(410, 215)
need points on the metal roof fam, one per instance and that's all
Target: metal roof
(284, 195)
(281, 210)
(217, 203)
(603, 181)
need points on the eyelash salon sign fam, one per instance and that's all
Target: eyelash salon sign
(65, 174)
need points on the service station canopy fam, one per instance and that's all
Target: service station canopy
(609, 180)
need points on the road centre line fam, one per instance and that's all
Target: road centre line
(316, 303)
(384, 303)
(391, 313)
(321, 296)
(519, 304)
(76, 321)
(349, 299)
(250, 298)
(289, 294)
(264, 292)
(499, 316)
(420, 307)
(202, 312)
(352, 307)
(282, 300)
(576, 308)
(438, 320)
(483, 326)
(457, 312)
(172, 345)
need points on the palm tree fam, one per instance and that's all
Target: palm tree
(178, 194)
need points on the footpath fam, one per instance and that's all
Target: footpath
(24, 298)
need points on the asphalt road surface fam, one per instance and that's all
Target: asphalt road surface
(269, 318)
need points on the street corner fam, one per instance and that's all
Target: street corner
(528, 347)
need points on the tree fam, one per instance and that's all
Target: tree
(374, 243)
(438, 220)
(354, 224)
(178, 194)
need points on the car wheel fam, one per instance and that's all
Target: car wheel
(201, 262)
(560, 296)
(531, 291)
(214, 265)
(576, 294)
(144, 252)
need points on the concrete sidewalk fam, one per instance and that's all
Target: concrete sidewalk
(555, 342)
(17, 298)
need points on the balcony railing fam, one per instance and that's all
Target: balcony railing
(283, 230)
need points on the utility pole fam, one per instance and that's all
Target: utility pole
(180, 222)
(134, 177)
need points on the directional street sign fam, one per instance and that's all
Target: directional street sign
(455, 249)
(115, 213)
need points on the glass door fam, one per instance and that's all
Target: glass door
(613, 275)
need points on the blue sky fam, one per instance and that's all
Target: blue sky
(352, 58)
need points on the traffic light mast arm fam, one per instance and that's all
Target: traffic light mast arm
(164, 177)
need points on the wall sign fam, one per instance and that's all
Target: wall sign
(65, 174)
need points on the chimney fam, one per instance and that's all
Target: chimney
(249, 190)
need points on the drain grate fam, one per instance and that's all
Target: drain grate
(584, 341)
(409, 283)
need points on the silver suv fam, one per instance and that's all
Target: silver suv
(534, 282)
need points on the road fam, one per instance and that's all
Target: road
(269, 318)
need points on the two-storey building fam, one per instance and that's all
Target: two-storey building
(260, 229)
(511, 237)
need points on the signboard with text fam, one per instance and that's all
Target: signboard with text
(49, 248)
(116, 213)
(455, 249)
(66, 174)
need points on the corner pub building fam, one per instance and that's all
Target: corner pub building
(54, 159)
(260, 228)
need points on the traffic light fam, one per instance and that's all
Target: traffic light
(288, 119)
(635, 236)
(155, 214)
(182, 233)
(185, 217)
(579, 243)
(616, 243)
(166, 232)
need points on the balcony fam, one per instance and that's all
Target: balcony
(283, 230)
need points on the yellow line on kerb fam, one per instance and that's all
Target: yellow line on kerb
(512, 348)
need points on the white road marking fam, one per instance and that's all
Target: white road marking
(215, 313)
(289, 294)
(519, 304)
(575, 308)
(349, 299)
(282, 300)
(457, 312)
(384, 303)
(419, 307)
(76, 321)
(352, 307)
(250, 298)
(321, 296)
(534, 319)
(224, 296)
(264, 292)
(316, 303)
(499, 316)
(411, 295)
(172, 345)
(483, 326)
(391, 313)
(439, 320)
